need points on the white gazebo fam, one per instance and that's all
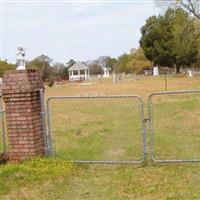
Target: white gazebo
(79, 71)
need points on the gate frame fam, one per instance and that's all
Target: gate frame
(3, 129)
(142, 127)
(151, 127)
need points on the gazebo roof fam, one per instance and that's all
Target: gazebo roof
(78, 66)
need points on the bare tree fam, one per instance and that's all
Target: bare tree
(192, 6)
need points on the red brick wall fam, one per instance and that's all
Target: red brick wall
(23, 113)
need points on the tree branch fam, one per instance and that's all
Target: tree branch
(190, 7)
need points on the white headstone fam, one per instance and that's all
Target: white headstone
(106, 72)
(190, 74)
(155, 71)
(20, 52)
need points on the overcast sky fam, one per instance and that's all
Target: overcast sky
(81, 31)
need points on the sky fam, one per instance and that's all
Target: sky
(79, 30)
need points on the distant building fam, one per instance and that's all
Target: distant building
(79, 71)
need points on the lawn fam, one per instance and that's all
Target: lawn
(110, 129)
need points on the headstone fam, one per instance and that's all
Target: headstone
(106, 72)
(190, 74)
(155, 71)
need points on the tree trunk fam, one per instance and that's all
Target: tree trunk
(178, 69)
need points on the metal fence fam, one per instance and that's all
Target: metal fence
(119, 107)
(178, 139)
(98, 111)
(46, 134)
(3, 129)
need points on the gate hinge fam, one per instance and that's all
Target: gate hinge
(146, 120)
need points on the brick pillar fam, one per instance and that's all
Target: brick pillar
(23, 113)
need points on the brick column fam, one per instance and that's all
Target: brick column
(23, 113)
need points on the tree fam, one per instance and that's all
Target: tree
(170, 39)
(138, 62)
(111, 64)
(191, 6)
(157, 40)
(60, 71)
(94, 67)
(121, 65)
(65, 73)
(4, 65)
(42, 63)
(103, 61)
(197, 29)
(185, 39)
(70, 63)
(107, 62)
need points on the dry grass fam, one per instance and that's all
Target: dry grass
(142, 87)
(110, 130)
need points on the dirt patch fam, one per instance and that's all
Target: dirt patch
(115, 152)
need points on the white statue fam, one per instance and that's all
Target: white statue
(106, 72)
(155, 71)
(20, 52)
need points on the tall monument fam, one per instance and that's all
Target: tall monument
(20, 52)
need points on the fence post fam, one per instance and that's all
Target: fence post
(21, 94)
(49, 132)
(3, 126)
(47, 137)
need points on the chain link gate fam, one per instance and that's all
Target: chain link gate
(143, 121)
(3, 129)
(151, 126)
(49, 133)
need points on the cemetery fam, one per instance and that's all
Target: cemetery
(109, 130)
(101, 101)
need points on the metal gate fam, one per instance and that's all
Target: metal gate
(151, 126)
(49, 133)
(143, 121)
(2, 125)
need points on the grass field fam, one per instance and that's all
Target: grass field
(109, 129)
